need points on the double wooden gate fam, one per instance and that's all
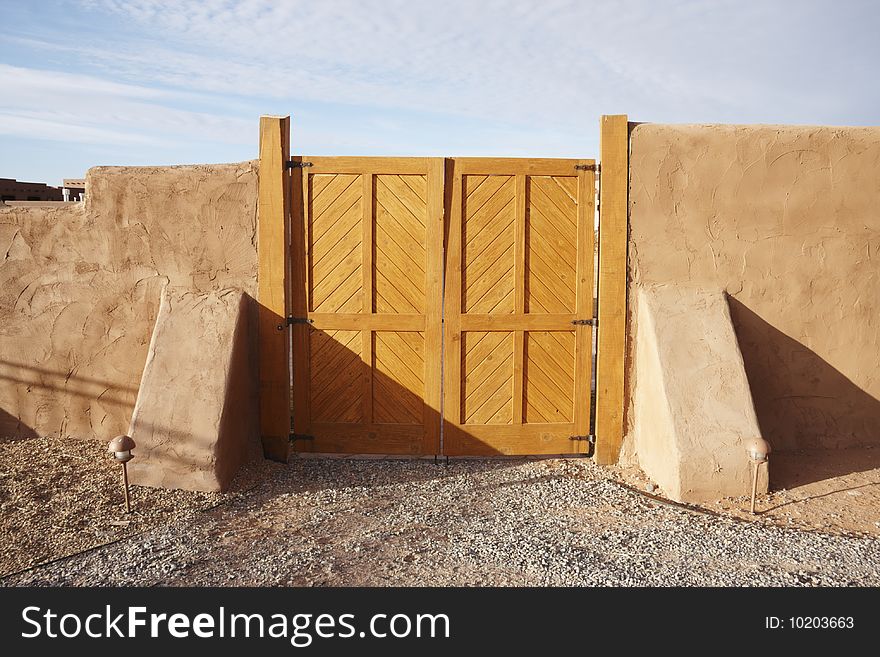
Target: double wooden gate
(436, 306)
(369, 311)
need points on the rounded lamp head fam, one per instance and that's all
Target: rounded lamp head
(758, 449)
(121, 447)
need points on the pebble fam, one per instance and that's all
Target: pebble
(504, 522)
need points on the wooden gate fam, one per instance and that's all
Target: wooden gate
(366, 258)
(519, 307)
(390, 358)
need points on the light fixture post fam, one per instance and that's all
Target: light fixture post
(758, 450)
(121, 447)
(755, 465)
(125, 487)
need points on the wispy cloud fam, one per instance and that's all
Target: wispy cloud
(417, 76)
(513, 61)
(71, 107)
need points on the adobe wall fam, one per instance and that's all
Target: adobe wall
(80, 287)
(786, 220)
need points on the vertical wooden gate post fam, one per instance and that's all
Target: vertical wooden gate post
(272, 249)
(613, 201)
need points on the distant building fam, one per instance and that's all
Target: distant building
(16, 190)
(74, 189)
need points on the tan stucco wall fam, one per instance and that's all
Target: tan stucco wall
(787, 221)
(80, 287)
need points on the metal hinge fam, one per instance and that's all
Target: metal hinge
(586, 167)
(300, 436)
(587, 322)
(299, 320)
(297, 165)
(591, 439)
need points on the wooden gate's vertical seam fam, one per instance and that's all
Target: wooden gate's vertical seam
(433, 400)
(448, 173)
(272, 297)
(452, 310)
(613, 211)
(368, 306)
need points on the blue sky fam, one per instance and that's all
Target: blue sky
(117, 82)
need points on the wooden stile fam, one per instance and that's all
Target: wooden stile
(272, 249)
(436, 186)
(614, 157)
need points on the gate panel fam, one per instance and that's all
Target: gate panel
(487, 377)
(334, 376)
(549, 377)
(519, 274)
(488, 238)
(367, 241)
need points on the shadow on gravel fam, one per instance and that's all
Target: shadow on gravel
(316, 474)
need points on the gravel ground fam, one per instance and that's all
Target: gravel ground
(60, 496)
(473, 522)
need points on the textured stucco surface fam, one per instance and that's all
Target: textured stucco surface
(786, 220)
(80, 287)
(197, 410)
(692, 410)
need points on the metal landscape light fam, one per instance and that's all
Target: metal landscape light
(758, 450)
(121, 447)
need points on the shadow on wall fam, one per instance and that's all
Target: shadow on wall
(11, 428)
(39, 396)
(65, 382)
(802, 402)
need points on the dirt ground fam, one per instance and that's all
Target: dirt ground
(836, 491)
(62, 497)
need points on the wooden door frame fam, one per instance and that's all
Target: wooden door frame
(274, 277)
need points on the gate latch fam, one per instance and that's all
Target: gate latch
(300, 436)
(297, 165)
(588, 322)
(298, 320)
(586, 167)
